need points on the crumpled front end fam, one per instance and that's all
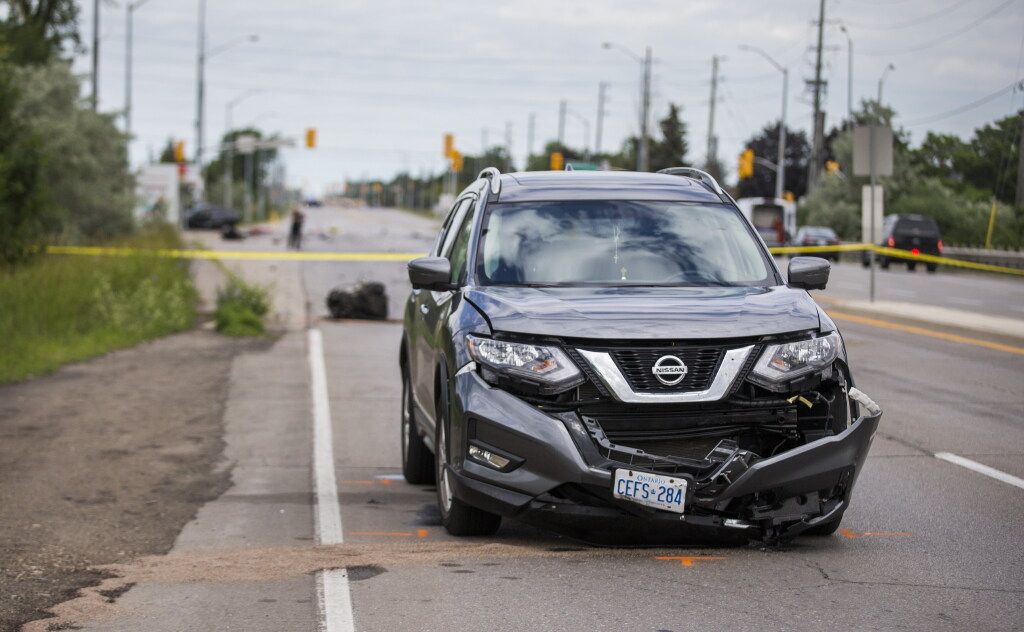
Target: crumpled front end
(761, 461)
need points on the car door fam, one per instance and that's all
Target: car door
(429, 306)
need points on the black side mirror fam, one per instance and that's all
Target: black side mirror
(431, 273)
(809, 273)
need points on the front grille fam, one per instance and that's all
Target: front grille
(637, 366)
(695, 448)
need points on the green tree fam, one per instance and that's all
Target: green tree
(23, 210)
(37, 31)
(213, 174)
(671, 150)
(766, 145)
(85, 173)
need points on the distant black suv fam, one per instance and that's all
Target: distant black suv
(598, 351)
(918, 234)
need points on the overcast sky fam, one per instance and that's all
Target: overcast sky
(382, 80)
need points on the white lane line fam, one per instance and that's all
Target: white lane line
(333, 595)
(964, 301)
(981, 469)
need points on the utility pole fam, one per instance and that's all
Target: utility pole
(602, 87)
(818, 137)
(95, 54)
(200, 83)
(849, 74)
(562, 105)
(712, 149)
(508, 145)
(643, 156)
(1020, 163)
(531, 122)
(483, 141)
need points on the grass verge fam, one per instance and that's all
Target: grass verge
(59, 309)
(241, 307)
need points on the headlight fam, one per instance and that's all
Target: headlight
(780, 363)
(548, 366)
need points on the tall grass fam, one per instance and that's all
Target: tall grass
(60, 309)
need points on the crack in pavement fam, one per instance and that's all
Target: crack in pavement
(811, 564)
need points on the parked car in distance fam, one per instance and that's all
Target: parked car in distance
(210, 216)
(917, 233)
(818, 236)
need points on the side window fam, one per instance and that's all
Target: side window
(453, 227)
(435, 250)
(460, 250)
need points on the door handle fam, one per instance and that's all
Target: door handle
(424, 309)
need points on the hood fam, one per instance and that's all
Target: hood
(676, 313)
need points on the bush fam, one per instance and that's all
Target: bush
(241, 307)
(60, 308)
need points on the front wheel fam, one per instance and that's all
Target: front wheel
(417, 461)
(457, 517)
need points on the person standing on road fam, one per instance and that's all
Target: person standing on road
(295, 233)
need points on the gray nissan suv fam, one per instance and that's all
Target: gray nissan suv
(602, 352)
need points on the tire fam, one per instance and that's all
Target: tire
(417, 461)
(911, 266)
(825, 528)
(932, 267)
(883, 263)
(458, 518)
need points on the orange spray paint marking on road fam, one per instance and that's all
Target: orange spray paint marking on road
(849, 533)
(419, 533)
(688, 560)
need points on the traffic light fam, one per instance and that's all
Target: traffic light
(179, 151)
(831, 166)
(456, 156)
(311, 138)
(449, 144)
(746, 168)
(557, 161)
(788, 196)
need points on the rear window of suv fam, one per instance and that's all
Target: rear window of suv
(619, 243)
(916, 226)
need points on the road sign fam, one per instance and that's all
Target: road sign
(864, 146)
(865, 214)
(245, 144)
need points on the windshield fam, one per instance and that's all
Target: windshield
(618, 243)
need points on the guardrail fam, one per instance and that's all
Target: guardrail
(1006, 258)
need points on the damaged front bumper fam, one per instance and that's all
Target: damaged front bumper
(561, 479)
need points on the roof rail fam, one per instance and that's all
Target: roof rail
(690, 172)
(492, 174)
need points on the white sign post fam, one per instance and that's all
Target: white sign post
(871, 227)
(872, 157)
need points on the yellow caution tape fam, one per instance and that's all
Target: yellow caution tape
(262, 255)
(899, 254)
(235, 255)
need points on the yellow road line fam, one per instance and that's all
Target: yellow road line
(234, 255)
(923, 331)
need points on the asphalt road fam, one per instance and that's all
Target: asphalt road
(926, 545)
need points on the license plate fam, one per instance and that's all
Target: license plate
(650, 490)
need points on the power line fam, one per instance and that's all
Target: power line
(914, 22)
(1016, 85)
(942, 38)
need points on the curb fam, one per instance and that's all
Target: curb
(944, 319)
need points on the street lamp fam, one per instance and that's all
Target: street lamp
(203, 54)
(780, 170)
(881, 82)
(849, 73)
(586, 130)
(642, 161)
(131, 7)
(228, 177)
